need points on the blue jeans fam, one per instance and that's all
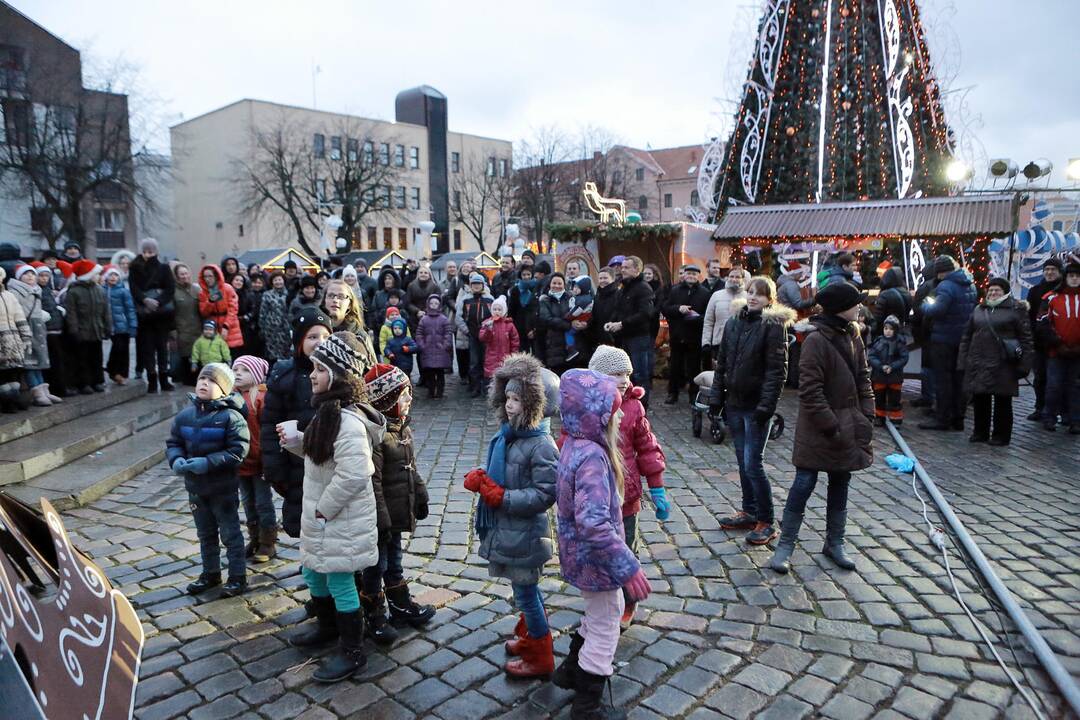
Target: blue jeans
(803, 487)
(926, 382)
(1062, 390)
(258, 501)
(218, 515)
(749, 438)
(339, 585)
(642, 356)
(388, 572)
(34, 378)
(531, 603)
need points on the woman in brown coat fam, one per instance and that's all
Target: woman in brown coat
(991, 376)
(834, 429)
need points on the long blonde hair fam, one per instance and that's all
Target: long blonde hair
(611, 445)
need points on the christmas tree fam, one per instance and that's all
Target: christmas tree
(840, 104)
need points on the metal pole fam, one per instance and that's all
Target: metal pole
(1064, 682)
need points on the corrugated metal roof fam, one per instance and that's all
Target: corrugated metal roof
(989, 215)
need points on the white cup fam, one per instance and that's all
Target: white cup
(290, 431)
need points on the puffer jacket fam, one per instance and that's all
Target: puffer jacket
(789, 293)
(836, 400)
(593, 554)
(604, 308)
(122, 308)
(552, 322)
(751, 360)
(288, 397)
(15, 332)
(216, 430)
(341, 491)
(1060, 322)
(717, 313)
(955, 298)
(152, 278)
(55, 324)
(894, 299)
(987, 370)
(274, 324)
(888, 351)
(225, 311)
(435, 339)
(416, 298)
(500, 338)
(253, 404)
(188, 322)
(381, 300)
(88, 318)
(30, 299)
(641, 452)
(636, 309)
(400, 491)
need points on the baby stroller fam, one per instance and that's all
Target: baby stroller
(717, 427)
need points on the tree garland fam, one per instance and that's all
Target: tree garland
(583, 232)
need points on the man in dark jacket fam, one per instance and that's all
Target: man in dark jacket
(1052, 272)
(894, 299)
(920, 330)
(633, 318)
(685, 312)
(505, 278)
(152, 288)
(714, 280)
(950, 308)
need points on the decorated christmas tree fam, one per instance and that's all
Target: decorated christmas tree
(840, 104)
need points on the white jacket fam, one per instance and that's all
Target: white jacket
(717, 314)
(340, 489)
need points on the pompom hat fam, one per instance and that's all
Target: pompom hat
(609, 360)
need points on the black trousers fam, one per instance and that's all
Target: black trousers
(1039, 381)
(948, 384)
(56, 376)
(685, 365)
(153, 348)
(435, 378)
(119, 356)
(462, 362)
(86, 363)
(993, 415)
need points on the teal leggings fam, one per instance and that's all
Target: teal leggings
(341, 585)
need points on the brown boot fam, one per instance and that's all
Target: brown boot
(536, 658)
(253, 539)
(267, 545)
(513, 645)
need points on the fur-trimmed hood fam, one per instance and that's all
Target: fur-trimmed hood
(776, 313)
(528, 370)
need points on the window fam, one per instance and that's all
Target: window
(667, 200)
(402, 239)
(388, 238)
(384, 154)
(642, 202)
(40, 220)
(386, 196)
(320, 190)
(455, 162)
(110, 219)
(372, 238)
(240, 230)
(457, 239)
(491, 167)
(414, 198)
(414, 158)
(13, 69)
(504, 168)
(335, 147)
(15, 128)
(318, 145)
(457, 200)
(110, 228)
(694, 198)
(369, 152)
(399, 156)
(399, 197)
(639, 174)
(616, 177)
(352, 149)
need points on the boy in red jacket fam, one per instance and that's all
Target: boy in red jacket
(254, 489)
(1060, 325)
(500, 338)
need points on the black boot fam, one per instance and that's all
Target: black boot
(789, 534)
(151, 383)
(402, 608)
(440, 385)
(589, 700)
(343, 663)
(565, 676)
(323, 631)
(204, 583)
(378, 627)
(235, 586)
(834, 540)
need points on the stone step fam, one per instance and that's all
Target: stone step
(36, 419)
(91, 476)
(36, 454)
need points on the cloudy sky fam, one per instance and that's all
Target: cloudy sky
(653, 73)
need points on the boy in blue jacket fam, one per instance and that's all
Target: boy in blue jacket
(124, 325)
(401, 348)
(208, 442)
(887, 357)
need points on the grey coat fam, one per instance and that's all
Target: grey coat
(30, 299)
(982, 358)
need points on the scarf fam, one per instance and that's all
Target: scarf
(525, 291)
(995, 303)
(214, 292)
(556, 295)
(496, 467)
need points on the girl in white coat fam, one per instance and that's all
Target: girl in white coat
(338, 525)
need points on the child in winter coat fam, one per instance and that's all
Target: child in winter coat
(401, 348)
(402, 499)
(208, 442)
(386, 330)
(15, 339)
(593, 552)
(499, 336)
(475, 309)
(88, 322)
(581, 309)
(435, 337)
(640, 450)
(255, 492)
(515, 490)
(25, 287)
(125, 325)
(210, 347)
(55, 376)
(339, 529)
(887, 357)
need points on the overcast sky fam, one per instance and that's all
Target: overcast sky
(653, 73)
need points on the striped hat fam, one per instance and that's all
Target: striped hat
(385, 383)
(255, 365)
(343, 354)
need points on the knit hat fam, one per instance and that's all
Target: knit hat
(349, 270)
(944, 263)
(1055, 262)
(385, 383)
(617, 261)
(392, 312)
(289, 265)
(499, 304)
(1072, 268)
(308, 318)
(528, 253)
(584, 283)
(836, 297)
(477, 278)
(399, 323)
(343, 354)
(894, 321)
(72, 244)
(609, 360)
(220, 374)
(209, 324)
(85, 270)
(1004, 284)
(255, 365)
(309, 281)
(110, 270)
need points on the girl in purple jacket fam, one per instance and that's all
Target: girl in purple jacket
(592, 542)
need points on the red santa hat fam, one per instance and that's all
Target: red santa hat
(21, 269)
(85, 270)
(65, 269)
(110, 270)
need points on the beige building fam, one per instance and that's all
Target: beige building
(398, 175)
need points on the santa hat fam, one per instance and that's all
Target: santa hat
(499, 304)
(110, 270)
(254, 365)
(65, 269)
(385, 383)
(21, 269)
(42, 268)
(85, 270)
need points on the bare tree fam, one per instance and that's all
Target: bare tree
(602, 160)
(478, 195)
(541, 179)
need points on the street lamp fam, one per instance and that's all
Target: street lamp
(958, 172)
(426, 228)
(1072, 170)
(1003, 168)
(1038, 168)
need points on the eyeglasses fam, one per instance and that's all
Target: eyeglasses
(336, 296)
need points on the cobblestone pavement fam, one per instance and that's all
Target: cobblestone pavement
(721, 637)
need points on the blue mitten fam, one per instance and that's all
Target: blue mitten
(660, 500)
(179, 465)
(900, 463)
(198, 466)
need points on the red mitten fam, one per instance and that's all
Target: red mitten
(491, 492)
(474, 478)
(638, 587)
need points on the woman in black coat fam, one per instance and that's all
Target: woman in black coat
(552, 322)
(524, 307)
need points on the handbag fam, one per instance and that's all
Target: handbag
(1014, 351)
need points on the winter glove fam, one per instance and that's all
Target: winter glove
(474, 478)
(491, 492)
(761, 416)
(197, 466)
(638, 587)
(178, 466)
(420, 511)
(660, 500)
